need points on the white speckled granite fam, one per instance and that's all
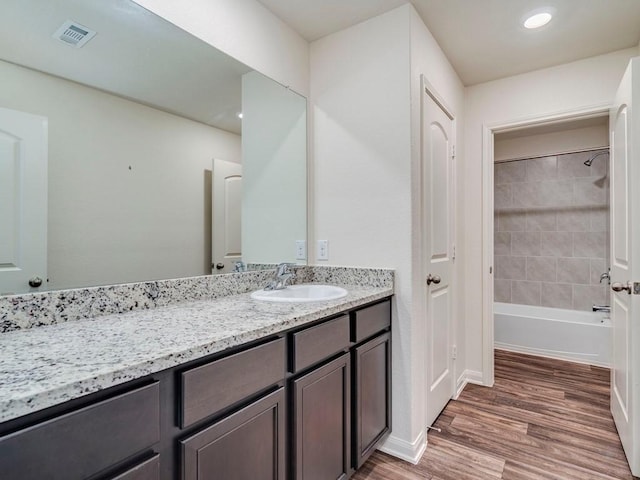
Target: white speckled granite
(49, 308)
(45, 366)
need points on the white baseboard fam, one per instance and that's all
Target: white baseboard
(468, 376)
(408, 451)
(554, 354)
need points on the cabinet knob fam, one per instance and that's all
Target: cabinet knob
(219, 266)
(35, 282)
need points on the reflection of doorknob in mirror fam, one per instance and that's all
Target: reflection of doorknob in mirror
(433, 279)
(618, 287)
(219, 266)
(35, 282)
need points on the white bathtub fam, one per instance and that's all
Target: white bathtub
(553, 332)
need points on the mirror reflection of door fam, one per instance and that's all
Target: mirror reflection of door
(226, 209)
(23, 201)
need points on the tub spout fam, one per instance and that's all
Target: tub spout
(602, 308)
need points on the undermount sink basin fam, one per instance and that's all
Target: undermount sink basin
(301, 293)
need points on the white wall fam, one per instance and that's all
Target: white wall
(362, 169)
(570, 87)
(553, 143)
(127, 183)
(365, 101)
(245, 30)
(274, 181)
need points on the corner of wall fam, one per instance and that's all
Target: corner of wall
(407, 451)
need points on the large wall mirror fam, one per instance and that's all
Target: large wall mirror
(141, 152)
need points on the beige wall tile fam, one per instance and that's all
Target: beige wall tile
(574, 219)
(574, 270)
(510, 267)
(525, 293)
(541, 221)
(502, 291)
(541, 169)
(589, 191)
(502, 243)
(556, 295)
(585, 296)
(589, 244)
(541, 269)
(598, 267)
(556, 193)
(512, 221)
(509, 172)
(503, 197)
(526, 195)
(525, 243)
(556, 244)
(600, 219)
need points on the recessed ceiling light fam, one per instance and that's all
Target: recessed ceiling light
(538, 20)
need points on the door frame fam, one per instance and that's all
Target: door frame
(426, 88)
(488, 132)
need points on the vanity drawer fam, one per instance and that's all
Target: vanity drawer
(210, 388)
(371, 320)
(314, 344)
(147, 470)
(79, 444)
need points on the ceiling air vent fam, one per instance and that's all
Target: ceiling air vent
(74, 34)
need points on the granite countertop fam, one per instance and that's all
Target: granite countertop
(45, 366)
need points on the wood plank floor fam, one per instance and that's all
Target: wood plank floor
(543, 419)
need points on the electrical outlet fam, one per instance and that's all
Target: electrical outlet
(323, 250)
(301, 249)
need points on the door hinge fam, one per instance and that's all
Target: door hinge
(453, 253)
(453, 151)
(636, 288)
(454, 352)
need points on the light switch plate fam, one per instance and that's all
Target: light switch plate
(301, 249)
(323, 249)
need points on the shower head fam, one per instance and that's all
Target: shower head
(589, 161)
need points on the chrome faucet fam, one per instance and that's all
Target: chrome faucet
(282, 276)
(602, 308)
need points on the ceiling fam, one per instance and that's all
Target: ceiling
(484, 39)
(135, 54)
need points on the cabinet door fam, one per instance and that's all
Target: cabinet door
(322, 422)
(247, 445)
(372, 396)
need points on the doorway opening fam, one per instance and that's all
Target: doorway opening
(510, 151)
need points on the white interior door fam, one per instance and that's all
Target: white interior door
(624, 124)
(226, 197)
(437, 167)
(23, 201)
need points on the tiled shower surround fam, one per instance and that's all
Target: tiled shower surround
(552, 231)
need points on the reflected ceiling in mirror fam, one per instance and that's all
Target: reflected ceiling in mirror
(135, 119)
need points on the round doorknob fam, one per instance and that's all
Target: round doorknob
(433, 279)
(35, 282)
(219, 266)
(618, 287)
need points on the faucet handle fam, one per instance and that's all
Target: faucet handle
(284, 268)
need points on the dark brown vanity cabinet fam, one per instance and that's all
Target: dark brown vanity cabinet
(311, 403)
